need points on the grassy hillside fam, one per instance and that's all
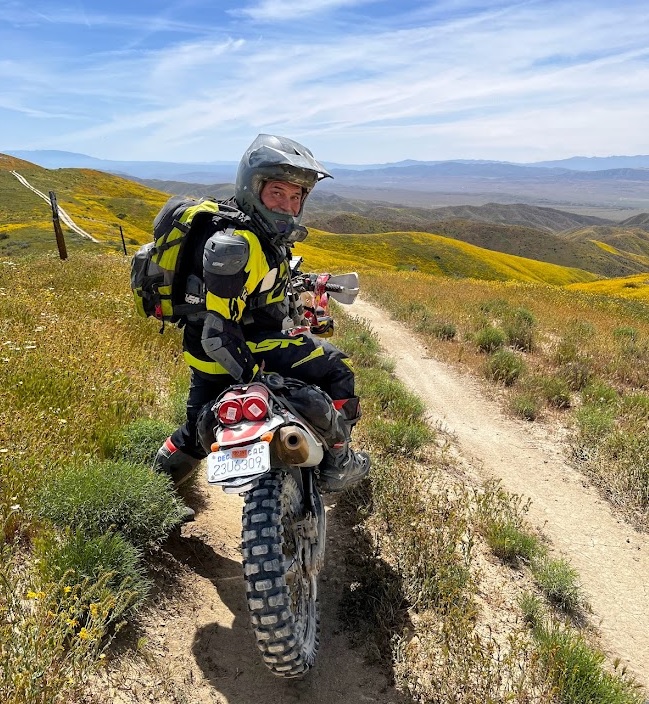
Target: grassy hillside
(631, 287)
(99, 203)
(323, 205)
(624, 240)
(641, 221)
(545, 247)
(195, 190)
(504, 229)
(433, 254)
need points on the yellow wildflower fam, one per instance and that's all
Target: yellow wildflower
(94, 610)
(83, 634)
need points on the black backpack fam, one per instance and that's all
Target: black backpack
(158, 276)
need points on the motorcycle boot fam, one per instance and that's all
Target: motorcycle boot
(342, 467)
(179, 466)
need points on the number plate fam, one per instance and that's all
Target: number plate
(238, 462)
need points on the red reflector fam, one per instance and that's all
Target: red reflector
(229, 411)
(255, 402)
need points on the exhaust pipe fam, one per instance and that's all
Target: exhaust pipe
(296, 447)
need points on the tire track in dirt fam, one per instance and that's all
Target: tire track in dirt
(611, 557)
(200, 645)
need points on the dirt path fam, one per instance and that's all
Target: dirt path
(611, 557)
(62, 214)
(200, 645)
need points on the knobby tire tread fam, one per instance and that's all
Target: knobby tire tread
(285, 650)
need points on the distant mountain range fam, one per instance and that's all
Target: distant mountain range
(55, 159)
(620, 182)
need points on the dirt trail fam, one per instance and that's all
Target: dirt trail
(200, 645)
(201, 649)
(611, 557)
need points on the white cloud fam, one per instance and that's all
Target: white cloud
(548, 79)
(289, 10)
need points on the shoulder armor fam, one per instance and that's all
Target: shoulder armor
(225, 254)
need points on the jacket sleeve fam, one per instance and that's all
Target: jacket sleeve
(233, 266)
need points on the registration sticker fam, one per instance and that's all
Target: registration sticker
(238, 462)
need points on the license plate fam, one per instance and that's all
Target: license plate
(238, 462)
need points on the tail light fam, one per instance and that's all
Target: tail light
(249, 405)
(230, 409)
(255, 402)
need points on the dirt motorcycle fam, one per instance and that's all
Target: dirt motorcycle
(267, 451)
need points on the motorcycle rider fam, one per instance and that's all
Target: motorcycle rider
(244, 263)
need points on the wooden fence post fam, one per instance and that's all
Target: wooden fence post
(57, 227)
(123, 243)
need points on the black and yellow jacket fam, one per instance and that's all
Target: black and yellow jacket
(247, 293)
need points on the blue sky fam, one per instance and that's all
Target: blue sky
(358, 81)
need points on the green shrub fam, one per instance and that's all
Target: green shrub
(98, 497)
(402, 435)
(139, 441)
(519, 329)
(556, 392)
(489, 339)
(594, 422)
(635, 406)
(526, 405)
(559, 582)
(504, 366)
(599, 393)
(579, 673)
(362, 344)
(391, 396)
(625, 334)
(444, 331)
(533, 608)
(511, 543)
(107, 559)
(576, 374)
(567, 351)
(501, 520)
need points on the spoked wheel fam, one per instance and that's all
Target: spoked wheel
(282, 597)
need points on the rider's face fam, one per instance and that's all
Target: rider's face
(282, 197)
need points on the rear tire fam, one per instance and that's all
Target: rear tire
(282, 598)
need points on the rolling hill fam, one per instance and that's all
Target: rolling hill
(610, 181)
(98, 202)
(629, 287)
(434, 254)
(523, 230)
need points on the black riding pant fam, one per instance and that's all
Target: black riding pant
(302, 357)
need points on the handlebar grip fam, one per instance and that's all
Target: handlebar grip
(333, 288)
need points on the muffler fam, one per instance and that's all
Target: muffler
(296, 447)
